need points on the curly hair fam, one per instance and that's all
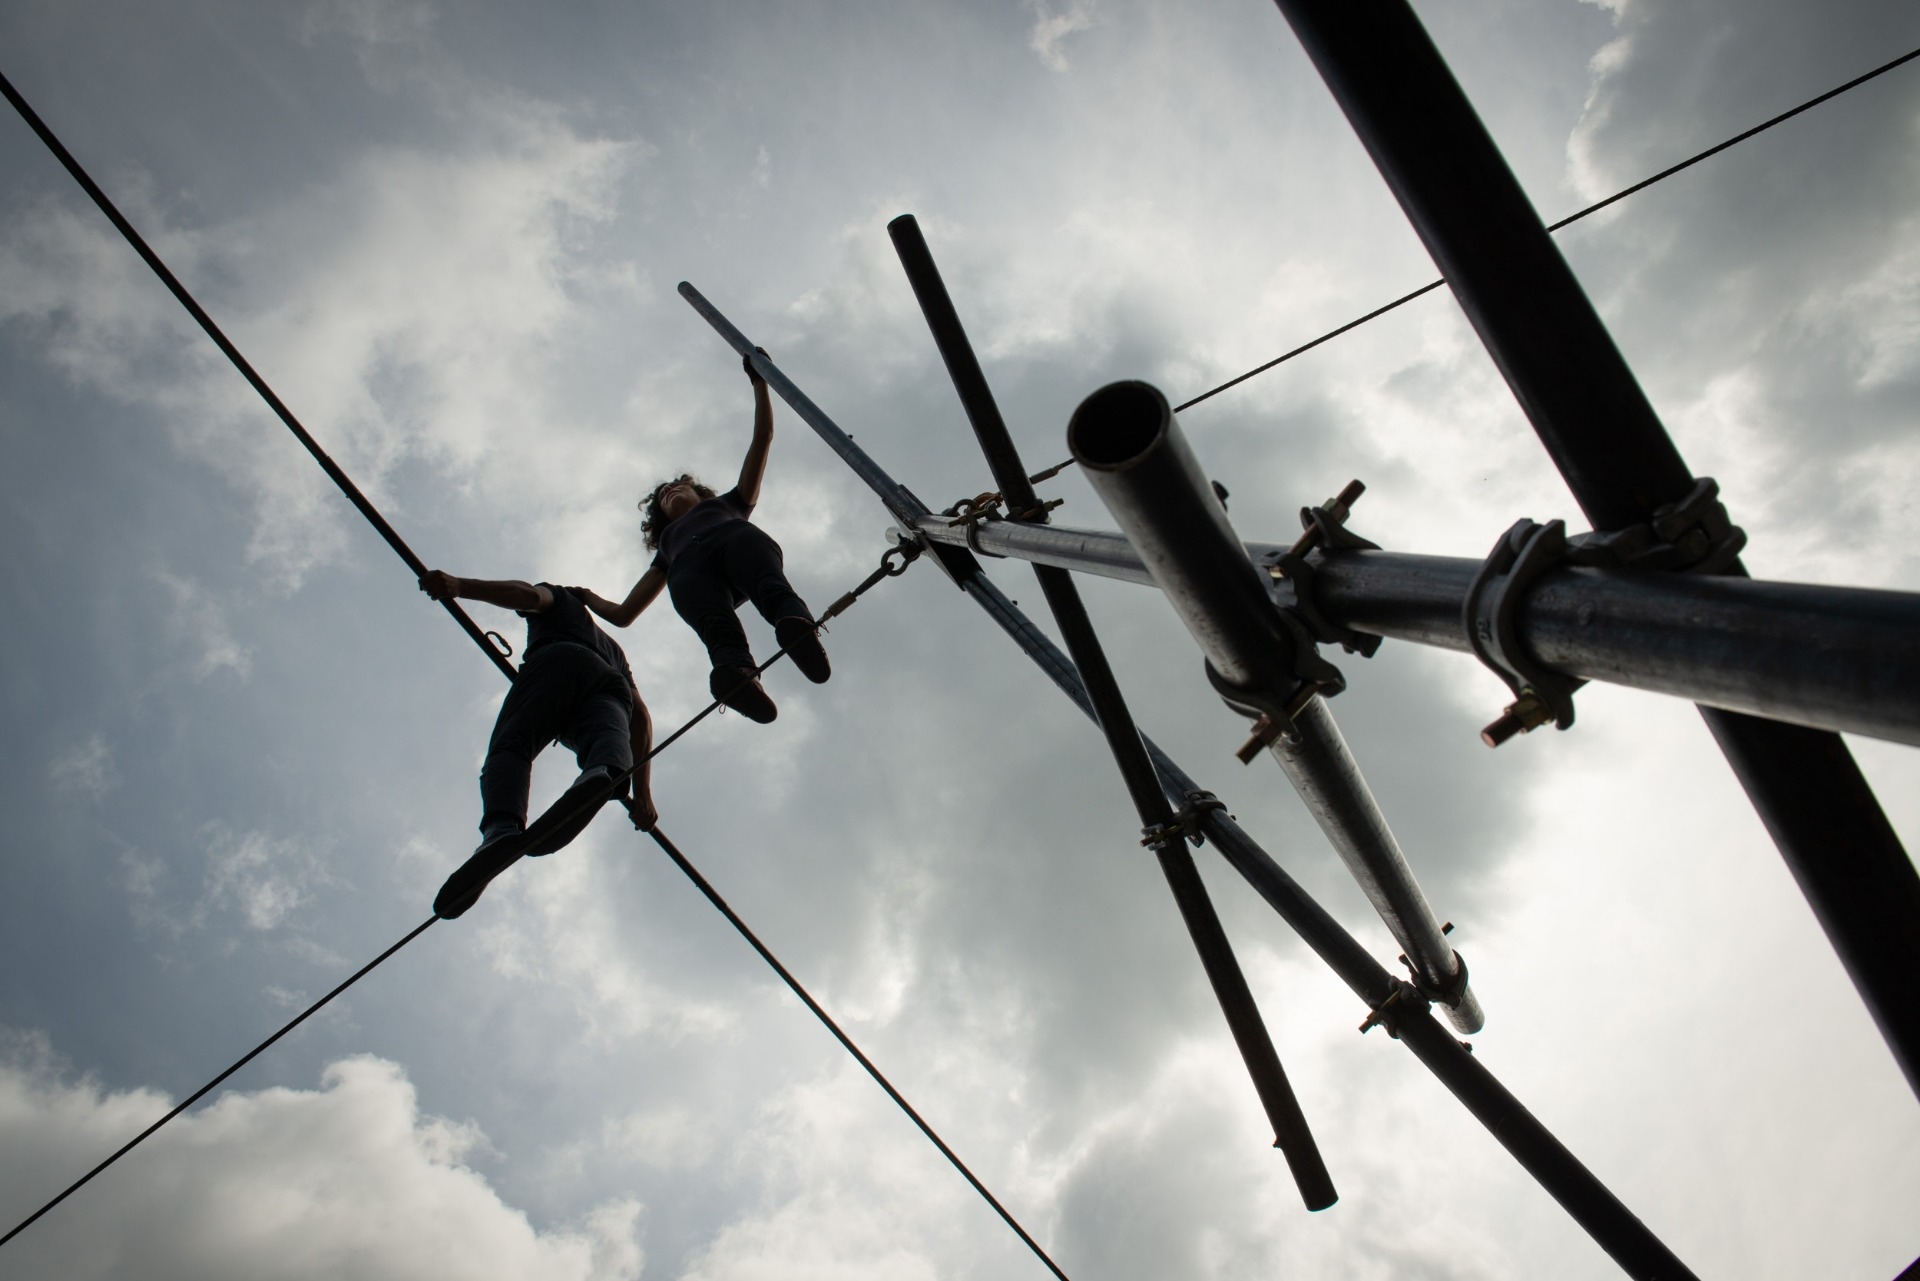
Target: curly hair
(655, 519)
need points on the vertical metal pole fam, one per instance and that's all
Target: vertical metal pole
(1132, 451)
(1602, 433)
(1291, 1133)
(1612, 1226)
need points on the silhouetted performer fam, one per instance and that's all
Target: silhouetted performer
(711, 558)
(574, 688)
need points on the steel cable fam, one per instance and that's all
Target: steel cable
(201, 1093)
(393, 540)
(1570, 219)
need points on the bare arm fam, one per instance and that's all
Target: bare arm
(755, 465)
(642, 595)
(643, 811)
(507, 593)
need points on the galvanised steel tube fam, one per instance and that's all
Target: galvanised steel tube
(1325, 774)
(1613, 1227)
(1604, 436)
(1604, 1216)
(1833, 658)
(1133, 453)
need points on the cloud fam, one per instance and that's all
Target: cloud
(347, 1180)
(87, 769)
(414, 301)
(199, 622)
(1052, 26)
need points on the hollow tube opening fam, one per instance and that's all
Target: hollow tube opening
(1116, 425)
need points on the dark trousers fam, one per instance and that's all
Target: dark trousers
(565, 693)
(736, 562)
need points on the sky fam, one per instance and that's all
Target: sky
(241, 748)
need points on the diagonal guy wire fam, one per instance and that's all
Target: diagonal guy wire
(1622, 194)
(393, 539)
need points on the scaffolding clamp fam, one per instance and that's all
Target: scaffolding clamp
(1326, 527)
(1189, 822)
(1404, 996)
(1456, 988)
(1693, 536)
(1523, 554)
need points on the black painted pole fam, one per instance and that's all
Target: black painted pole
(1601, 1214)
(1603, 434)
(1291, 1133)
(1604, 1217)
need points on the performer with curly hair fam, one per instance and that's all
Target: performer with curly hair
(710, 557)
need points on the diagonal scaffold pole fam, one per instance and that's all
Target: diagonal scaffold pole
(1166, 835)
(1392, 1002)
(1131, 450)
(1608, 442)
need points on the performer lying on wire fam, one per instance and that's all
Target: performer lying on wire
(711, 558)
(574, 688)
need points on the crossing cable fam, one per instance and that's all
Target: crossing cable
(1622, 194)
(259, 384)
(713, 897)
(340, 478)
(889, 568)
(201, 1093)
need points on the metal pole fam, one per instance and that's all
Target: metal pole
(1132, 451)
(1291, 1133)
(1837, 658)
(1604, 1217)
(1602, 433)
(1613, 1227)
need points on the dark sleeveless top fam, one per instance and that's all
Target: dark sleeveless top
(708, 515)
(567, 620)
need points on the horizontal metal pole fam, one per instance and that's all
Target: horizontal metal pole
(1613, 1227)
(1838, 658)
(1616, 456)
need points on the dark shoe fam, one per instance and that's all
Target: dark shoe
(739, 688)
(494, 855)
(801, 639)
(567, 817)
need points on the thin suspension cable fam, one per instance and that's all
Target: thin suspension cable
(259, 384)
(419, 567)
(839, 607)
(1622, 194)
(201, 1093)
(713, 896)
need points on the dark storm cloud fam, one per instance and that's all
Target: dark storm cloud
(246, 747)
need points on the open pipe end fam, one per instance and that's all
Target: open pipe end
(1118, 425)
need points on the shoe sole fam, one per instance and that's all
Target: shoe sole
(557, 827)
(462, 890)
(749, 699)
(801, 640)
